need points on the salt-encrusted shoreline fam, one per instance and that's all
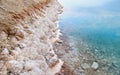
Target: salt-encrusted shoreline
(62, 48)
(28, 29)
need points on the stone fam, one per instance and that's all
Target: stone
(14, 53)
(3, 35)
(5, 51)
(85, 66)
(95, 65)
(29, 66)
(59, 41)
(27, 54)
(14, 66)
(55, 69)
(43, 65)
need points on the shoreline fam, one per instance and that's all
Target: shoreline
(62, 48)
(83, 64)
(65, 52)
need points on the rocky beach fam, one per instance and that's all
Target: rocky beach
(83, 41)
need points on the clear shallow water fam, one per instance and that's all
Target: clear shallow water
(100, 34)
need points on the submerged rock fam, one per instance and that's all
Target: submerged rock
(85, 66)
(95, 65)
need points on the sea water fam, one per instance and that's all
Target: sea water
(98, 35)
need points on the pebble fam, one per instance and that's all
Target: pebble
(59, 41)
(95, 65)
(85, 66)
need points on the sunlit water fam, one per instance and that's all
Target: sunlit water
(100, 34)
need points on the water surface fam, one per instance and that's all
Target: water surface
(98, 28)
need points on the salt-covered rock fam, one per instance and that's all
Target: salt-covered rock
(10, 57)
(36, 71)
(40, 57)
(14, 53)
(55, 69)
(13, 39)
(3, 70)
(22, 45)
(43, 65)
(95, 65)
(14, 66)
(3, 35)
(29, 66)
(5, 51)
(28, 54)
(18, 50)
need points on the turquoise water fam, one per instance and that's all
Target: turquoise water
(99, 34)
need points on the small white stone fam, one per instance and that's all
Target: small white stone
(95, 65)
